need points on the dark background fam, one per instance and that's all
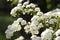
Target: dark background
(45, 5)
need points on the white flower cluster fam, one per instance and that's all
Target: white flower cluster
(24, 8)
(16, 26)
(47, 34)
(35, 25)
(44, 20)
(50, 21)
(34, 37)
(37, 21)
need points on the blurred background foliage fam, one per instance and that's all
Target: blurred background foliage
(45, 5)
(6, 19)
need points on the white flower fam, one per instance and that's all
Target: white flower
(9, 35)
(16, 26)
(32, 5)
(20, 38)
(27, 6)
(35, 23)
(23, 22)
(35, 17)
(40, 25)
(19, 19)
(20, 1)
(30, 10)
(26, 3)
(58, 13)
(34, 37)
(39, 13)
(57, 38)
(37, 9)
(23, 6)
(48, 14)
(14, 10)
(12, 28)
(51, 28)
(34, 29)
(26, 11)
(19, 5)
(47, 34)
(57, 33)
(9, 26)
(27, 28)
(51, 21)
